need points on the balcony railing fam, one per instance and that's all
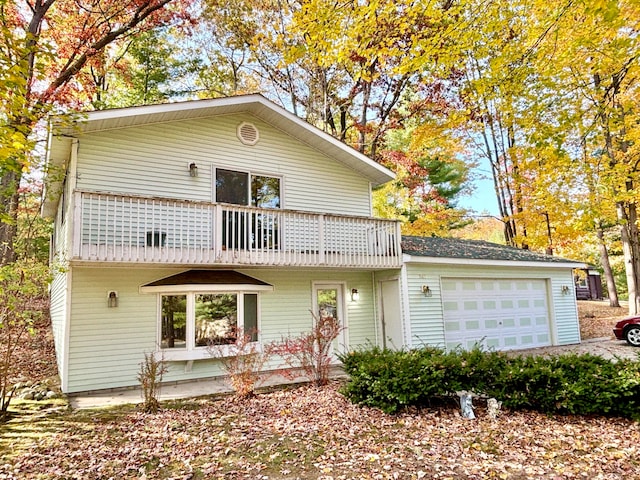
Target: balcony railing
(131, 229)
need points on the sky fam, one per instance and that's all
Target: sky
(483, 199)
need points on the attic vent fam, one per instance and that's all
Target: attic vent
(248, 133)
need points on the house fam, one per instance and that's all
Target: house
(176, 223)
(588, 284)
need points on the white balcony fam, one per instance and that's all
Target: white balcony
(130, 229)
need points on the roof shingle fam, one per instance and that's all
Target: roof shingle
(472, 249)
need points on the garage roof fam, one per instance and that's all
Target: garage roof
(476, 250)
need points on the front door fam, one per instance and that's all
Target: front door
(328, 301)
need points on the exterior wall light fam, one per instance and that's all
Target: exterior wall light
(193, 169)
(112, 299)
(426, 291)
(354, 295)
(564, 289)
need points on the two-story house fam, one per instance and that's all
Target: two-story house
(176, 223)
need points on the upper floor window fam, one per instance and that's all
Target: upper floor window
(244, 188)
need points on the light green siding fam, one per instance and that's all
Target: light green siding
(153, 160)
(107, 344)
(426, 313)
(287, 310)
(58, 311)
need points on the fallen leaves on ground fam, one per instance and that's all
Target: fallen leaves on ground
(597, 318)
(315, 433)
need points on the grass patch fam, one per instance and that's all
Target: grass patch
(29, 422)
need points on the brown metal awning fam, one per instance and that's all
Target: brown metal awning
(206, 280)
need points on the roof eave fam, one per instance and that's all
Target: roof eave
(58, 154)
(407, 258)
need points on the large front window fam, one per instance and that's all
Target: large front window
(195, 321)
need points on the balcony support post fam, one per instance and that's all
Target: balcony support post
(322, 247)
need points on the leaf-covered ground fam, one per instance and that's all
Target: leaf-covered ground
(315, 433)
(597, 318)
(307, 433)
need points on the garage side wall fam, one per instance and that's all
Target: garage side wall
(426, 315)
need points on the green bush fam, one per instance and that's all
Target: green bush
(576, 384)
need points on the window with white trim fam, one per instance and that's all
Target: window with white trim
(193, 321)
(245, 188)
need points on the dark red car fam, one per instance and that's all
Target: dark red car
(628, 329)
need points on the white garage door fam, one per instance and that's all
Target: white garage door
(501, 314)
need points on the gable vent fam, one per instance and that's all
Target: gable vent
(248, 133)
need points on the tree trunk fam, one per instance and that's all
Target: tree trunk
(8, 215)
(629, 235)
(606, 267)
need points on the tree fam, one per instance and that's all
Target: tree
(46, 47)
(594, 79)
(337, 65)
(22, 283)
(146, 69)
(431, 175)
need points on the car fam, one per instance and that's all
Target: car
(628, 329)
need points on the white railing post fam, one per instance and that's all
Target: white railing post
(322, 246)
(217, 231)
(77, 225)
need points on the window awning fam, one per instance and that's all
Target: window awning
(206, 280)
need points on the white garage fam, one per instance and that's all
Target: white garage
(500, 314)
(459, 293)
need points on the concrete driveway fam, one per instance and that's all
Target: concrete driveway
(607, 347)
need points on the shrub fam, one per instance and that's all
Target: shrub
(243, 363)
(150, 378)
(309, 352)
(578, 384)
(21, 284)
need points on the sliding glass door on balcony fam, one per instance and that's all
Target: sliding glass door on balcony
(249, 230)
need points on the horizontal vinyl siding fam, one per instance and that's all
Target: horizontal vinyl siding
(58, 312)
(426, 316)
(153, 160)
(108, 344)
(426, 327)
(566, 309)
(287, 310)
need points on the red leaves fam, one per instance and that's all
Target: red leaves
(62, 37)
(309, 352)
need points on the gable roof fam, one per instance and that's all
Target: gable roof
(455, 250)
(62, 129)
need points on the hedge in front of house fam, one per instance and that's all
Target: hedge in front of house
(570, 383)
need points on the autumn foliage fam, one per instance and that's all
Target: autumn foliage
(309, 354)
(242, 361)
(21, 284)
